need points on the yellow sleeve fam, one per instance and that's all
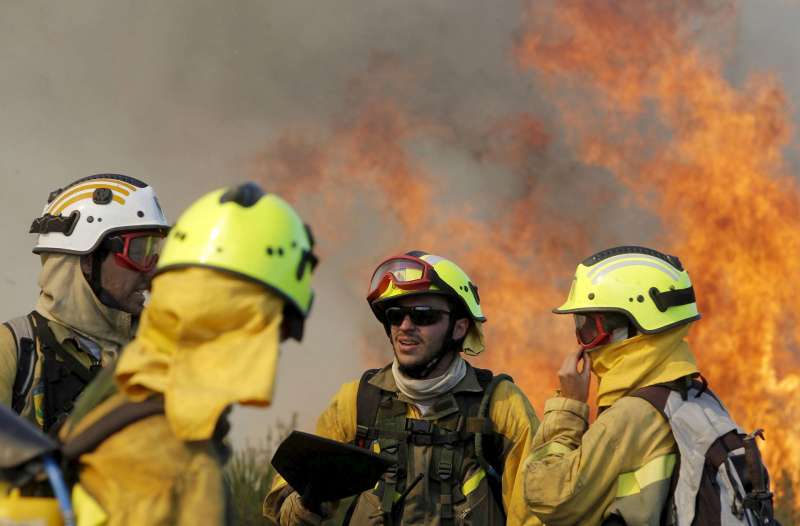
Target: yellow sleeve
(572, 475)
(8, 365)
(514, 418)
(337, 422)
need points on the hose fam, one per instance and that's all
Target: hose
(59, 489)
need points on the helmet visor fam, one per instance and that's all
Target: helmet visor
(406, 272)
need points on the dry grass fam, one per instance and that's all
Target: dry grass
(249, 473)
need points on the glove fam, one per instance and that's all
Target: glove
(293, 513)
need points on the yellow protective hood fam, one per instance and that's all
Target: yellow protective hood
(206, 340)
(643, 360)
(67, 298)
(474, 342)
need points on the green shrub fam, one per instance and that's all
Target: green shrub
(249, 474)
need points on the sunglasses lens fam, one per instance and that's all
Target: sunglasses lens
(420, 316)
(426, 317)
(395, 315)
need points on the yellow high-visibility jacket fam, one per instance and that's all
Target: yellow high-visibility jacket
(621, 464)
(144, 474)
(510, 412)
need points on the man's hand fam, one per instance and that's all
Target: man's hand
(575, 383)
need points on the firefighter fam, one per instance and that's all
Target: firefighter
(233, 281)
(633, 308)
(99, 240)
(456, 434)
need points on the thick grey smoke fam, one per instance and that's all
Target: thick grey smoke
(186, 94)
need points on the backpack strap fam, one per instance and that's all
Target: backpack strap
(657, 395)
(65, 377)
(367, 401)
(116, 420)
(22, 330)
(482, 424)
(489, 454)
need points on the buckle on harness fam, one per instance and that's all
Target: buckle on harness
(445, 469)
(415, 426)
(362, 432)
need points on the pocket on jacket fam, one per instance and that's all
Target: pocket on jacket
(479, 507)
(367, 510)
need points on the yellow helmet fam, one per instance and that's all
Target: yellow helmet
(651, 288)
(252, 234)
(418, 272)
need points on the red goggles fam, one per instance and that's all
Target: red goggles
(591, 331)
(137, 251)
(405, 272)
(594, 329)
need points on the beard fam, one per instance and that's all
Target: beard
(419, 371)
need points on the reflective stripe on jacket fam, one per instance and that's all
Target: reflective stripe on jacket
(620, 465)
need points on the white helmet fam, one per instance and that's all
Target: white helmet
(78, 217)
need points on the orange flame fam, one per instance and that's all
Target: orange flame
(360, 172)
(707, 158)
(639, 97)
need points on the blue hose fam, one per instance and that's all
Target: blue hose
(59, 489)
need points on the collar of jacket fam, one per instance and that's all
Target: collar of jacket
(384, 379)
(67, 299)
(64, 335)
(646, 359)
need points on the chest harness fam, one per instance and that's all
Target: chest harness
(464, 433)
(63, 376)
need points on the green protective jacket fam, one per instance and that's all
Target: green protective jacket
(512, 417)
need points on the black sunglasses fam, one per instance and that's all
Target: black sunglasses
(420, 315)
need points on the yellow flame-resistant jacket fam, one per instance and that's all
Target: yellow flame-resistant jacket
(146, 475)
(509, 410)
(622, 464)
(85, 328)
(207, 340)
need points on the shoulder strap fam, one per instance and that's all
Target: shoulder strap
(367, 401)
(22, 331)
(48, 340)
(657, 395)
(493, 465)
(116, 420)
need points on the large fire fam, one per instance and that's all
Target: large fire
(639, 96)
(707, 157)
